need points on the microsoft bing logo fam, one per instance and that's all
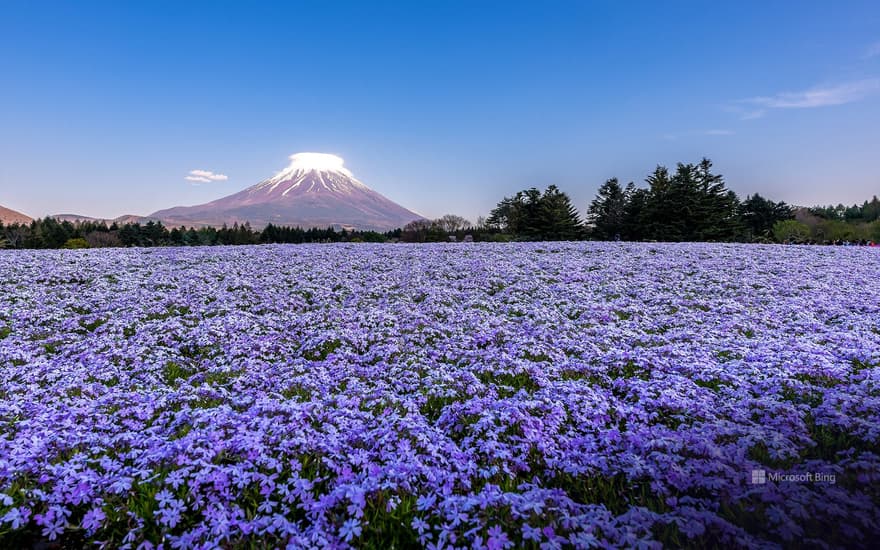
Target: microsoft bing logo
(759, 477)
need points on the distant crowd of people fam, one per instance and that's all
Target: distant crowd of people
(838, 242)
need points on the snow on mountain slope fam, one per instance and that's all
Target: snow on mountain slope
(314, 190)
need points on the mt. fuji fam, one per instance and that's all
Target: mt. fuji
(315, 190)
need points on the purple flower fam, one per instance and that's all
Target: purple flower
(530, 533)
(497, 539)
(350, 529)
(16, 517)
(163, 497)
(93, 519)
(53, 529)
(420, 525)
(425, 502)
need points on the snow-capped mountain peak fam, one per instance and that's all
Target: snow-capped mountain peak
(310, 172)
(314, 190)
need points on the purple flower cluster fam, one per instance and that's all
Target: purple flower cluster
(449, 396)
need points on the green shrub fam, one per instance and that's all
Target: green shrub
(787, 230)
(76, 243)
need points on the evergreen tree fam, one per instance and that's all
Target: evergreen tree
(871, 210)
(691, 205)
(759, 216)
(717, 215)
(506, 216)
(634, 213)
(607, 212)
(533, 216)
(560, 220)
(664, 212)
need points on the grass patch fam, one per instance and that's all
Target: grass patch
(629, 370)
(508, 384)
(172, 372)
(623, 315)
(323, 351)
(832, 440)
(434, 405)
(91, 326)
(297, 393)
(714, 384)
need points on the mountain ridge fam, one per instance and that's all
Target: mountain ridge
(314, 190)
(9, 216)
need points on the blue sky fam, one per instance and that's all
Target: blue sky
(105, 107)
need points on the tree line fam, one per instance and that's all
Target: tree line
(51, 233)
(691, 203)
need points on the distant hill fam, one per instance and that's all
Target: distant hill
(9, 216)
(315, 190)
(74, 218)
(121, 220)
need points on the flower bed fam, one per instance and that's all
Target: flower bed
(442, 395)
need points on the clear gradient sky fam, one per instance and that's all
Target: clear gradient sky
(442, 106)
